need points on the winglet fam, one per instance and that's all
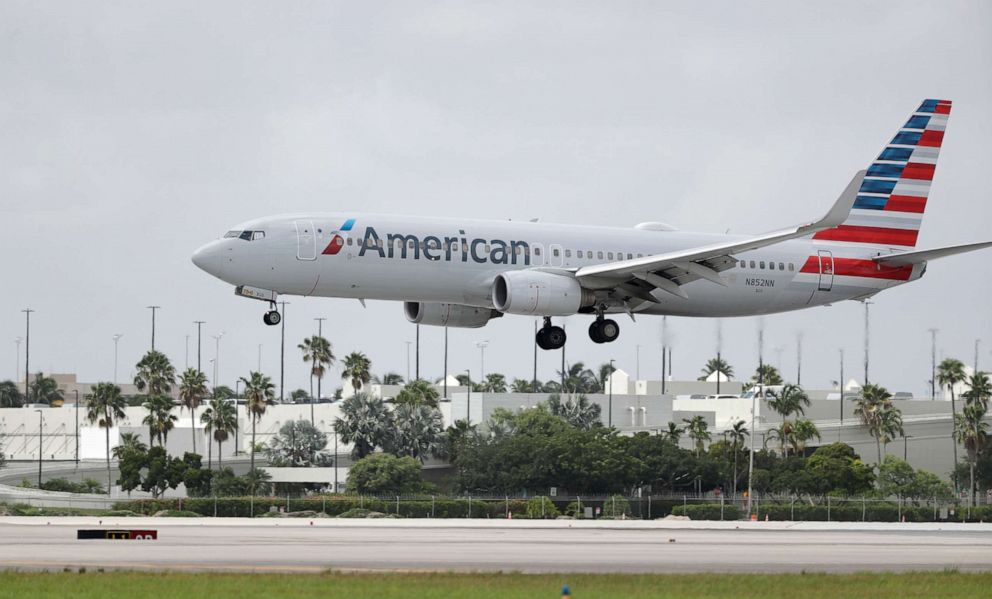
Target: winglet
(842, 207)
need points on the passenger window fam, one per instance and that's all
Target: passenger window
(771, 266)
(630, 256)
(781, 266)
(351, 241)
(609, 255)
(568, 253)
(761, 265)
(752, 263)
(791, 267)
(537, 252)
(599, 255)
(640, 255)
(589, 254)
(556, 252)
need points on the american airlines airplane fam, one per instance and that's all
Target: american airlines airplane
(463, 273)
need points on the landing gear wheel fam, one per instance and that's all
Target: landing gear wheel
(272, 318)
(542, 341)
(604, 330)
(554, 337)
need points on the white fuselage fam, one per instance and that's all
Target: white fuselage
(412, 258)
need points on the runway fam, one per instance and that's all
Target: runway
(271, 545)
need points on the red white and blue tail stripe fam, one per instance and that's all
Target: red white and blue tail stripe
(893, 196)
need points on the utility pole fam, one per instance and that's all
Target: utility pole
(637, 362)
(76, 391)
(41, 423)
(468, 401)
(282, 353)
(976, 355)
(320, 333)
(841, 388)
(446, 362)
(610, 409)
(416, 371)
(408, 344)
(933, 363)
(754, 403)
(153, 309)
(799, 359)
(867, 339)
(117, 338)
(534, 383)
(27, 354)
(719, 347)
(217, 358)
(199, 338)
(664, 350)
(482, 359)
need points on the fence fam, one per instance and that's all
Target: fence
(791, 508)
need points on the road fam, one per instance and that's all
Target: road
(292, 545)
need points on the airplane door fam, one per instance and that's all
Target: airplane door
(826, 270)
(556, 255)
(306, 240)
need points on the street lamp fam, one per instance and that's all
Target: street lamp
(41, 421)
(76, 391)
(27, 352)
(468, 401)
(117, 338)
(610, 410)
(482, 358)
(217, 339)
(153, 309)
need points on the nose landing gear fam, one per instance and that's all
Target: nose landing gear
(604, 330)
(550, 337)
(272, 317)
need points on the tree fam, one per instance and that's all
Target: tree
(455, 437)
(129, 442)
(192, 390)
(577, 410)
(836, 469)
(365, 423)
(874, 408)
(605, 370)
(298, 444)
(972, 432)
(418, 393)
(696, 427)
(259, 393)
(522, 386)
(579, 379)
(950, 372)
(104, 407)
(979, 389)
(464, 380)
(299, 396)
(790, 400)
(782, 433)
(717, 364)
(223, 392)
(155, 374)
(803, 431)
(10, 395)
(316, 352)
(356, 368)
(896, 478)
(383, 473)
(44, 390)
(418, 431)
(160, 419)
(765, 374)
(390, 378)
(494, 383)
(674, 433)
(737, 434)
(219, 421)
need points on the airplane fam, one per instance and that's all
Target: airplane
(463, 273)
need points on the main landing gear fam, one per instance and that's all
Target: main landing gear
(550, 337)
(604, 330)
(272, 317)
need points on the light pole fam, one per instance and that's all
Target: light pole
(117, 338)
(754, 403)
(153, 309)
(320, 333)
(17, 366)
(664, 350)
(933, 363)
(976, 355)
(217, 339)
(609, 416)
(445, 372)
(468, 401)
(637, 362)
(841, 391)
(41, 422)
(799, 359)
(237, 424)
(416, 370)
(482, 358)
(27, 353)
(408, 343)
(867, 339)
(76, 391)
(199, 339)
(719, 360)
(282, 353)
(905, 447)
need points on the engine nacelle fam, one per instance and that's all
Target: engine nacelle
(448, 315)
(533, 292)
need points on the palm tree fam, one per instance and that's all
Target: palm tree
(259, 393)
(130, 442)
(192, 390)
(973, 433)
(579, 379)
(605, 370)
(979, 389)
(356, 368)
(221, 419)
(418, 431)
(783, 433)
(577, 410)
(419, 392)
(160, 419)
(674, 433)
(870, 407)
(738, 433)
(10, 395)
(494, 383)
(44, 390)
(155, 374)
(522, 386)
(366, 423)
(890, 424)
(790, 400)
(696, 427)
(950, 372)
(767, 375)
(104, 407)
(316, 352)
(803, 430)
(390, 378)
(717, 364)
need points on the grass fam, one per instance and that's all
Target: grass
(140, 585)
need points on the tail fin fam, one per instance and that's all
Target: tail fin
(893, 196)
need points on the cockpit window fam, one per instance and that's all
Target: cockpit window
(257, 235)
(232, 234)
(246, 235)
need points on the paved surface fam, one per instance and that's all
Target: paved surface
(557, 546)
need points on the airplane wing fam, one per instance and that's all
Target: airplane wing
(910, 258)
(640, 277)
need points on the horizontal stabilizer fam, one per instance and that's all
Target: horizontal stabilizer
(909, 258)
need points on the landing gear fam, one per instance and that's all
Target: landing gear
(272, 317)
(604, 330)
(550, 337)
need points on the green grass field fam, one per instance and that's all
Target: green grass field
(137, 585)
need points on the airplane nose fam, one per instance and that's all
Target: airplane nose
(208, 258)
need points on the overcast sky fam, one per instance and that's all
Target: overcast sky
(131, 135)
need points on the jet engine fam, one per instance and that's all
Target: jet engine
(448, 315)
(534, 292)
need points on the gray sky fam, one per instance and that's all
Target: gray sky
(132, 135)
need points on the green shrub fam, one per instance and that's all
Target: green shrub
(541, 507)
(616, 507)
(708, 511)
(177, 514)
(576, 509)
